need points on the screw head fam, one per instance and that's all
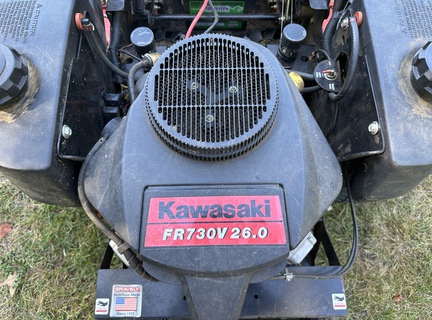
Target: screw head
(233, 89)
(209, 118)
(66, 131)
(374, 127)
(194, 85)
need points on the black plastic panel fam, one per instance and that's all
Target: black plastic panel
(392, 32)
(47, 38)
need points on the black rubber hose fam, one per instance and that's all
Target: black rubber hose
(115, 37)
(339, 5)
(353, 60)
(92, 213)
(144, 64)
(329, 32)
(91, 38)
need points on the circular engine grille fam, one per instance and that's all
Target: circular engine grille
(212, 97)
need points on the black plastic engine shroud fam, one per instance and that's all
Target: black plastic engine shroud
(135, 166)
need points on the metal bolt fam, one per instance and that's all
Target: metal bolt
(374, 127)
(345, 23)
(194, 85)
(209, 118)
(233, 89)
(66, 131)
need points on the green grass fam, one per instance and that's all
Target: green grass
(55, 253)
(392, 277)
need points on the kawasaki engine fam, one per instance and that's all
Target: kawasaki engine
(206, 139)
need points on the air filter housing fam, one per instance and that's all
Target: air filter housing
(212, 97)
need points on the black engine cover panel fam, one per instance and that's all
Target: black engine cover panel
(294, 156)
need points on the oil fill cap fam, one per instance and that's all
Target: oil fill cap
(293, 36)
(13, 75)
(143, 40)
(422, 71)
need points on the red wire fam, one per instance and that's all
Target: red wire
(195, 20)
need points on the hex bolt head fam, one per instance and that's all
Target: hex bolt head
(345, 23)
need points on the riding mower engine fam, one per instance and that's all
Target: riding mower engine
(206, 139)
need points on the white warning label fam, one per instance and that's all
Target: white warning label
(102, 306)
(339, 301)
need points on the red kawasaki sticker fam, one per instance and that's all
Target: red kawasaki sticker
(215, 220)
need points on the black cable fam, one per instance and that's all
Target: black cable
(91, 38)
(129, 54)
(310, 89)
(92, 213)
(216, 17)
(304, 75)
(131, 78)
(335, 117)
(354, 248)
(353, 60)
(96, 48)
(94, 45)
(325, 53)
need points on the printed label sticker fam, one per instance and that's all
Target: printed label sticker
(339, 301)
(126, 301)
(215, 220)
(102, 306)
